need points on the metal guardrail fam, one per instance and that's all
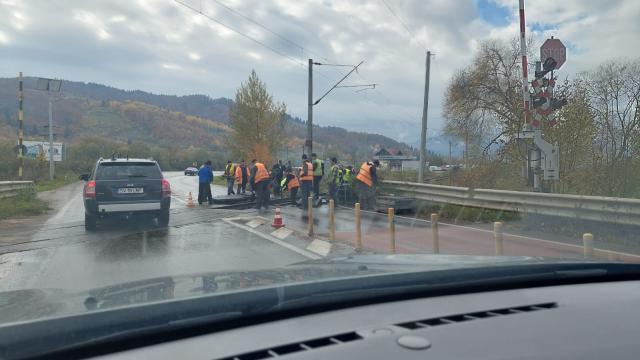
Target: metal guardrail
(13, 188)
(597, 208)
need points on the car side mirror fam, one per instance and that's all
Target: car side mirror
(84, 177)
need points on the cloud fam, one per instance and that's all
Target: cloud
(163, 47)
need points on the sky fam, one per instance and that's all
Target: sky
(162, 46)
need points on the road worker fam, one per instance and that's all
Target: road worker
(318, 172)
(334, 178)
(229, 175)
(261, 179)
(241, 177)
(348, 178)
(366, 184)
(205, 178)
(306, 181)
(292, 183)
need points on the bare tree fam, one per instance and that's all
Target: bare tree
(485, 98)
(614, 92)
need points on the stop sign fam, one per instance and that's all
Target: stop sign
(554, 48)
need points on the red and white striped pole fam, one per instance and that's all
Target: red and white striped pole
(525, 65)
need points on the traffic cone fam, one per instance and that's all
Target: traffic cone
(278, 222)
(190, 202)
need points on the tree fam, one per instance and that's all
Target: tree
(613, 90)
(257, 122)
(575, 132)
(464, 118)
(483, 102)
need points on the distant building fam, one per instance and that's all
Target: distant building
(392, 158)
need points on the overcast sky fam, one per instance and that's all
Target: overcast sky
(163, 47)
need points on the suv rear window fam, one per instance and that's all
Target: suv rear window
(127, 170)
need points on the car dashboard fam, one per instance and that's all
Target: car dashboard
(583, 321)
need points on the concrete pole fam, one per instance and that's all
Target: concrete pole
(332, 220)
(358, 227)
(498, 238)
(51, 166)
(310, 215)
(434, 233)
(20, 128)
(587, 243)
(309, 142)
(392, 230)
(423, 134)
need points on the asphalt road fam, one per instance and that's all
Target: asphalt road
(63, 255)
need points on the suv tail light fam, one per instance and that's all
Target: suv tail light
(166, 188)
(90, 190)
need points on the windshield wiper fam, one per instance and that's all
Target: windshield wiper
(136, 175)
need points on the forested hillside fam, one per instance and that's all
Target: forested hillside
(166, 125)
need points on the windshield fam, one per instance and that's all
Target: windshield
(162, 150)
(123, 171)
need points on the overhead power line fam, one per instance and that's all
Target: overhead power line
(282, 37)
(296, 61)
(411, 35)
(278, 52)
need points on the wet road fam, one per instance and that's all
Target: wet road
(63, 255)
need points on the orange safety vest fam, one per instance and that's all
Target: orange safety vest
(239, 174)
(261, 173)
(364, 174)
(309, 176)
(293, 183)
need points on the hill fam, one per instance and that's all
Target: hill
(86, 110)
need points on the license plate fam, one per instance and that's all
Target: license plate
(130, 190)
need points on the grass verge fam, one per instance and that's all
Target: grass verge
(59, 181)
(24, 204)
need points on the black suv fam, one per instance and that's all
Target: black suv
(125, 187)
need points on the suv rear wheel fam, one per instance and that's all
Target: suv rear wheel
(163, 218)
(90, 222)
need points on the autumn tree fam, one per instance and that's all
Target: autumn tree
(485, 98)
(257, 122)
(464, 117)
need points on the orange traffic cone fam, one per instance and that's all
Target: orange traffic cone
(278, 222)
(190, 202)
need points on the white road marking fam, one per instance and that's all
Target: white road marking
(282, 233)
(255, 223)
(305, 253)
(320, 247)
(60, 215)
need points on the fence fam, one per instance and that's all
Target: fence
(13, 188)
(597, 208)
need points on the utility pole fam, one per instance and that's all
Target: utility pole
(20, 128)
(450, 164)
(49, 85)
(309, 141)
(51, 165)
(311, 104)
(423, 134)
